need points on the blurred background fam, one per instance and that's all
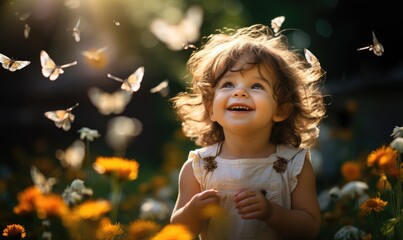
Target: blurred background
(365, 91)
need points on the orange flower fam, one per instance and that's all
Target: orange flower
(372, 205)
(108, 231)
(50, 205)
(14, 231)
(351, 171)
(26, 200)
(174, 232)
(92, 209)
(385, 159)
(142, 229)
(125, 169)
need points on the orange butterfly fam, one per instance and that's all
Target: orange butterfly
(12, 64)
(49, 67)
(132, 83)
(62, 118)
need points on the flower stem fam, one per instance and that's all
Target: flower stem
(115, 197)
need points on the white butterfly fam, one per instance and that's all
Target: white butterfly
(43, 183)
(177, 36)
(108, 103)
(62, 118)
(12, 64)
(310, 58)
(276, 23)
(27, 30)
(375, 47)
(49, 67)
(76, 32)
(162, 88)
(94, 55)
(73, 156)
(132, 83)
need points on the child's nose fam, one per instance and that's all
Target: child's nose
(240, 92)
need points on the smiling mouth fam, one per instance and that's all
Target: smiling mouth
(239, 108)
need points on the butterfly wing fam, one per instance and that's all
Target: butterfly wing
(39, 180)
(133, 82)
(161, 88)
(16, 65)
(276, 23)
(48, 65)
(377, 48)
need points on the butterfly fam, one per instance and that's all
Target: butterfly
(162, 88)
(376, 46)
(310, 58)
(177, 36)
(76, 32)
(108, 103)
(62, 118)
(27, 30)
(73, 156)
(44, 184)
(94, 55)
(12, 64)
(49, 67)
(132, 83)
(276, 23)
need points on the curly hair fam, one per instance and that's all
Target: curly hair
(297, 83)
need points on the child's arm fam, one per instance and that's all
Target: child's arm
(302, 221)
(191, 201)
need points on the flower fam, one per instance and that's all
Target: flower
(154, 209)
(349, 233)
(351, 170)
(174, 232)
(397, 132)
(92, 209)
(372, 205)
(384, 159)
(14, 231)
(142, 229)
(89, 134)
(26, 200)
(383, 184)
(397, 144)
(50, 205)
(125, 169)
(75, 192)
(108, 231)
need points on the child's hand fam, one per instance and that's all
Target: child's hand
(252, 204)
(201, 201)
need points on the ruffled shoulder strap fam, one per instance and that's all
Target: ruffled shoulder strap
(293, 158)
(196, 157)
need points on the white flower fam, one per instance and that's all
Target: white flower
(153, 209)
(397, 144)
(75, 192)
(397, 132)
(89, 134)
(353, 189)
(349, 233)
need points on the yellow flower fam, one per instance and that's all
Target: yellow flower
(142, 229)
(351, 171)
(50, 205)
(173, 232)
(13, 231)
(26, 200)
(108, 231)
(372, 205)
(125, 169)
(384, 158)
(92, 209)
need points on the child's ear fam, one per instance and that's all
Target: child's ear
(283, 112)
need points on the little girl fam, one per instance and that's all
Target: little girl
(253, 107)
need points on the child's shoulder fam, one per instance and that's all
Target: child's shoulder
(289, 152)
(207, 151)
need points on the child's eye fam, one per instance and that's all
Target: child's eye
(227, 85)
(257, 86)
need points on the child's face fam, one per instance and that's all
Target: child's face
(244, 101)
